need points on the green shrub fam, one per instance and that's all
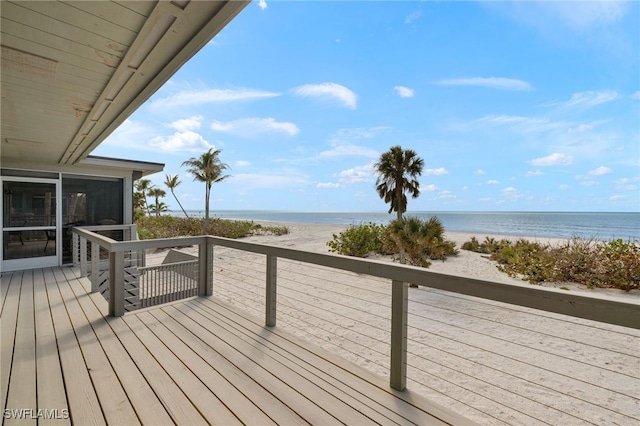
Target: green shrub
(358, 240)
(422, 240)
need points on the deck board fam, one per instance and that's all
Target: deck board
(84, 406)
(50, 385)
(115, 403)
(195, 361)
(8, 326)
(347, 385)
(147, 406)
(23, 369)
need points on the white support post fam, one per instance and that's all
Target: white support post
(271, 290)
(399, 310)
(83, 257)
(205, 277)
(75, 248)
(95, 267)
(116, 284)
(210, 258)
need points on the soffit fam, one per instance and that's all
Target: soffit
(73, 72)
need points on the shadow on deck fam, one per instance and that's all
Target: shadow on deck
(195, 361)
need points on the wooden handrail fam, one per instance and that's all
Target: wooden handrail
(609, 310)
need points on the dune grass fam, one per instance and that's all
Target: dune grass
(168, 227)
(604, 264)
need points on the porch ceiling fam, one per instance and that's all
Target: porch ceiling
(73, 72)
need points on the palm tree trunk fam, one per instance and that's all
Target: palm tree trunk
(403, 256)
(180, 204)
(206, 209)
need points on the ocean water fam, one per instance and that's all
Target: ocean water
(601, 226)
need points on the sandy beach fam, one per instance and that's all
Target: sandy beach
(494, 363)
(314, 237)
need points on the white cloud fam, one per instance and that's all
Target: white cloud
(185, 124)
(328, 185)
(511, 193)
(200, 97)
(587, 182)
(249, 127)
(528, 124)
(262, 4)
(492, 182)
(413, 17)
(181, 141)
(356, 174)
(404, 92)
(564, 187)
(131, 135)
(348, 150)
(479, 172)
(618, 197)
(535, 173)
(436, 172)
(328, 91)
(490, 82)
(444, 195)
(242, 163)
(600, 171)
(636, 95)
(587, 99)
(577, 17)
(355, 134)
(581, 128)
(555, 159)
(429, 188)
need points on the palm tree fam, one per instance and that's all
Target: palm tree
(397, 172)
(172, 183)
(159, 208)
(157, 193)
(208, 169)
(143, 186)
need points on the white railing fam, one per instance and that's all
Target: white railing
(167, 283)
(547, 299)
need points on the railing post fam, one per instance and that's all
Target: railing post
(83, 257)
(399, 311)
(95, 267)
(74, 247)
(205, 276)
(116, 284)
(271, 290)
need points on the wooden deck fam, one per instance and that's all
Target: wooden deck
(192, 362)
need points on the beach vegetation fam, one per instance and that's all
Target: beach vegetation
(172, 183)
(420, 240)
(159, 208)
(150, 227)
(157, 193)
(359, 240)
(398, 170)
(207, 168)
(604, 264)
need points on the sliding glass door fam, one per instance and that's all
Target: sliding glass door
(30, 223)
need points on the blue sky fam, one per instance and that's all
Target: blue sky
(531, 106)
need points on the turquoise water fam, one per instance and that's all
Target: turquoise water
(602, 226)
